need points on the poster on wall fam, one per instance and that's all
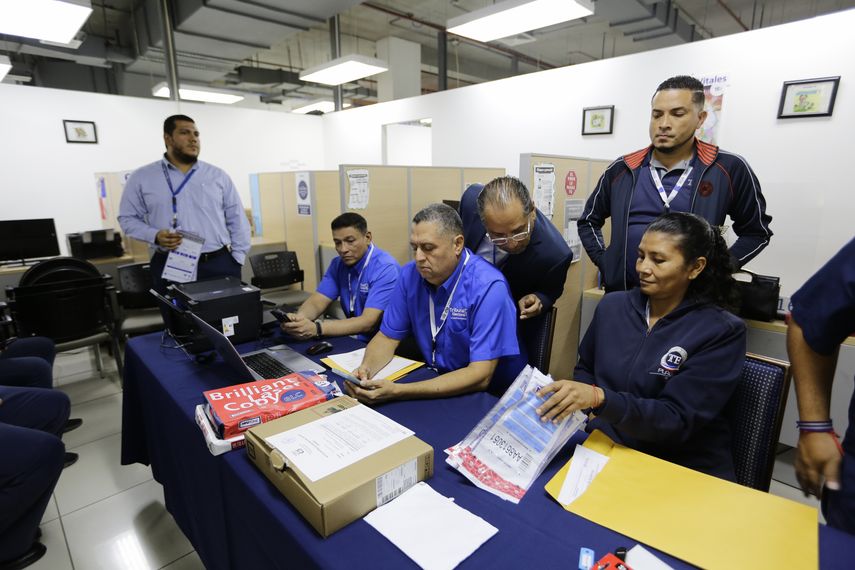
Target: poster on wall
(101, 188)
(572, 213)
(304, 194)
(358, 199)
(544, 188)
(714, 88)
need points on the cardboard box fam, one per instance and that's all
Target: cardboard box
(335, 501)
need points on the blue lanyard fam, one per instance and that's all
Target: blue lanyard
(352, 299)
(174, 192)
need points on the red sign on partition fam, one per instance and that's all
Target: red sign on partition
(570, 183)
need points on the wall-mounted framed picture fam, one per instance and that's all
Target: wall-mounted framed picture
(598, 120)
(808, 98)
(80, 132)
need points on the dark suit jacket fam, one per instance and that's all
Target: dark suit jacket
(540, 269)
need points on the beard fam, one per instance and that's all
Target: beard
(184, 157)
(675, 147)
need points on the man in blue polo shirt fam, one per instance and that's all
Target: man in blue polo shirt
(823, 316)
(458, 308)
(361, 277)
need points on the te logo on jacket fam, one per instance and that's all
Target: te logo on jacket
(671, 362)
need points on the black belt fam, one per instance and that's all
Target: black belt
(203, 257)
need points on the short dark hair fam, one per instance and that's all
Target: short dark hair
(445, 217)
(688, 83)
(501, 192)
(695, 238)
(169, 123)
(350, 220)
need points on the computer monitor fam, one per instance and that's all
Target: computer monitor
(27, 239)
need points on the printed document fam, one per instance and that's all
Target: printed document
(330, 444)
(350, 361)
(431, 529)
(182, 262)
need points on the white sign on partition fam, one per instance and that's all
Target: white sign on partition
(359, 190)
(544, 188)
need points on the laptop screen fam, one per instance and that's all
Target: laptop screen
(223, 346)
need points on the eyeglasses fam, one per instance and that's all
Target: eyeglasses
(516, 237)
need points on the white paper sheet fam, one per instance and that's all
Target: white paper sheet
(329, 444)
(350, 361)
(584, 467)
(182, 262)
(544, 188)
(431, 529)
(304, 193)
(639, 558)
(359, 189)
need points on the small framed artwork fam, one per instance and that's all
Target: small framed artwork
(80, 132)
(598, 120)
(808, 98)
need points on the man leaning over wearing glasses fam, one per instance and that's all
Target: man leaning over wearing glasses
(501, 224)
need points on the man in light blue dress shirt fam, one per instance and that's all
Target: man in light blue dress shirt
(179, 193)
(362, 277)
(459, 309)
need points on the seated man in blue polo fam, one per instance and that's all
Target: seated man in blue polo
(458, 308)
(362, 278)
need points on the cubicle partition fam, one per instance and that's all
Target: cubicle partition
(569, 181)
(396, 193)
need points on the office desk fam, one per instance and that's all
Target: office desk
(236, 519)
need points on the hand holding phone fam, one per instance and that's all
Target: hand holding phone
(280, 315)
(347, 376)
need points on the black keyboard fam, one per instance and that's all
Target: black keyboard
(266, 366)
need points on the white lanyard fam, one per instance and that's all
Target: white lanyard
(674, 191)
(352, 301)
(434, 330)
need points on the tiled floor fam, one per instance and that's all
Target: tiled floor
(105, 515)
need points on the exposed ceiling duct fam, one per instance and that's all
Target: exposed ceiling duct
(645, 21)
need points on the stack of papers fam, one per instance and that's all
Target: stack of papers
(350, 361)
(431, 529)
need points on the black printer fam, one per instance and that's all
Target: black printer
(226, 303)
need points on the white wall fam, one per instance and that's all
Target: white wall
(42, 176)
(800, 162)
(408, 145)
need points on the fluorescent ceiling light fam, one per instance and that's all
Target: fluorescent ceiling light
(189, 93)
(322, 106)
(426, 122)
(52, 20)
(511, 17)
(343, 70)
(5, 66)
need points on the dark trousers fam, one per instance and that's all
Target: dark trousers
(223, 265)
(31, 422)
(838, 507)
(28, 362)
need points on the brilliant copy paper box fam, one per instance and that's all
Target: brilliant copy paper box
(235, 409)
(340, 498)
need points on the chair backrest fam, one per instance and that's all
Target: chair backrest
(537, 335)
(134, 284)
(62, 311)
(756, 411)
(275, 269)
(58, 269)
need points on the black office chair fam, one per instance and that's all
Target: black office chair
(74, 313)
(277, 270)
(756, 411)
(138, 311)
(58, 269)
(537, 334)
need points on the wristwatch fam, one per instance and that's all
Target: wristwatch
(320, 333)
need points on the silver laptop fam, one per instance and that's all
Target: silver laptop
(263, 364)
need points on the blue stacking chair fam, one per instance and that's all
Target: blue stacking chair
(756, 411)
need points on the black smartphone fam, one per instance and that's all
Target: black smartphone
(280, 315)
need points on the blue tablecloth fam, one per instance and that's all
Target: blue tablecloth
(236, 519)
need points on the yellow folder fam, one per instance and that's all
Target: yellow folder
(698, 518)
(414, 364)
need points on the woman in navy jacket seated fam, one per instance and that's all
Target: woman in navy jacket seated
(659, 363)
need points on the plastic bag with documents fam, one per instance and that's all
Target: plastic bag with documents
(510, 446)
